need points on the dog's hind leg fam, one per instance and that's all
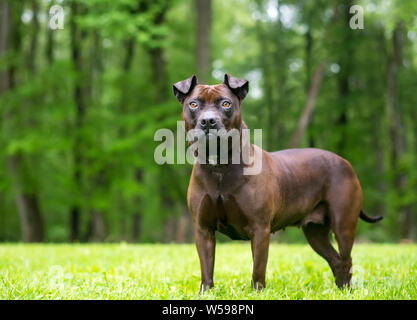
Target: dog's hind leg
(345, 237)
(345, 202)
(318, 236)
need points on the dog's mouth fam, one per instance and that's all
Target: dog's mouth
(216, 147)
(210, 135)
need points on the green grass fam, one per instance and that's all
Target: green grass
(124, 271)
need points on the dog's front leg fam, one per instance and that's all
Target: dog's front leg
(260, 247)
(206, 242)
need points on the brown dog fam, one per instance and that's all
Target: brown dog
(310, 188)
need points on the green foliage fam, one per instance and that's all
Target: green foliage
(277, 45)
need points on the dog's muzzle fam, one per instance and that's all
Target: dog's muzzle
(209, 121)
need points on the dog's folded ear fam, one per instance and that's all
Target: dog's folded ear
(238, 86)
(183, 88)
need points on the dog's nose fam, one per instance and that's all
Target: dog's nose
(208, 122)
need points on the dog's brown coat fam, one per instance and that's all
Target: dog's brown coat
(311, 188)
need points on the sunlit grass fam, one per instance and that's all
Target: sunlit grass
(124, 271)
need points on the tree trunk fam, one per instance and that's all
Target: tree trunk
(308, 62)
(96, 228)
(345, 63)
(158, 74)
(130, 46)
(93, 93)
(183, 227)
(4, 42)
(34, 39)
(80, 103)
(309, 106)
(24, 189)
(267, 86)
(26, 201)
(396, 124)
(379, 166)
(170, 229)
(279, 74)
(156, 55)
(49, 48)
(137, 219)
(397, 130)
(203, 8)
(377, 141)
(123, 107)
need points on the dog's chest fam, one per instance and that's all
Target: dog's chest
(220, 202)
(230, 218)
(218, 177)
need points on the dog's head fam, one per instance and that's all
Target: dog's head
(208, 107)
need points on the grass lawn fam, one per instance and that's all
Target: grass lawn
(159, 271)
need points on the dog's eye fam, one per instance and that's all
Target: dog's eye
(193, 105)
(226, 104)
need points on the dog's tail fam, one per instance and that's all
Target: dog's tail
(369, 219)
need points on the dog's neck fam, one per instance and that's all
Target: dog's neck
(220, 174)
